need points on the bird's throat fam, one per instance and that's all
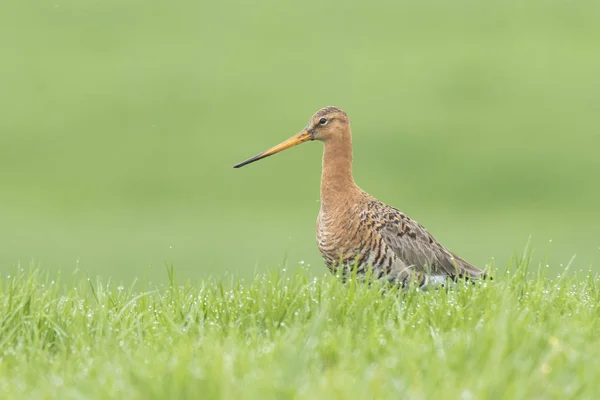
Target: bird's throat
(337, 184)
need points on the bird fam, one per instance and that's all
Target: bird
(357, 233)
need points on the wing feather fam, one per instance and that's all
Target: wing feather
(417, 248)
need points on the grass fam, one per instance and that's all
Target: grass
(289, 335)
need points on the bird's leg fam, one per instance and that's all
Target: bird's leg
(409, 278)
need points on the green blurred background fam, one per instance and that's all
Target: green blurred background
(120, 121)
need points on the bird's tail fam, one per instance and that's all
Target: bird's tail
(466, 270)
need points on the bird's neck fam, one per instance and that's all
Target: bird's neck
(337, 184)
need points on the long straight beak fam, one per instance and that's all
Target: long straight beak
(301, 137)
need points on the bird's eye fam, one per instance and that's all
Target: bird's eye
(323, 121)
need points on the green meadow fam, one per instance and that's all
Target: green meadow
(120, 122)
(289, 335)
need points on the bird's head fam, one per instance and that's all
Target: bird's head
(329, 123)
